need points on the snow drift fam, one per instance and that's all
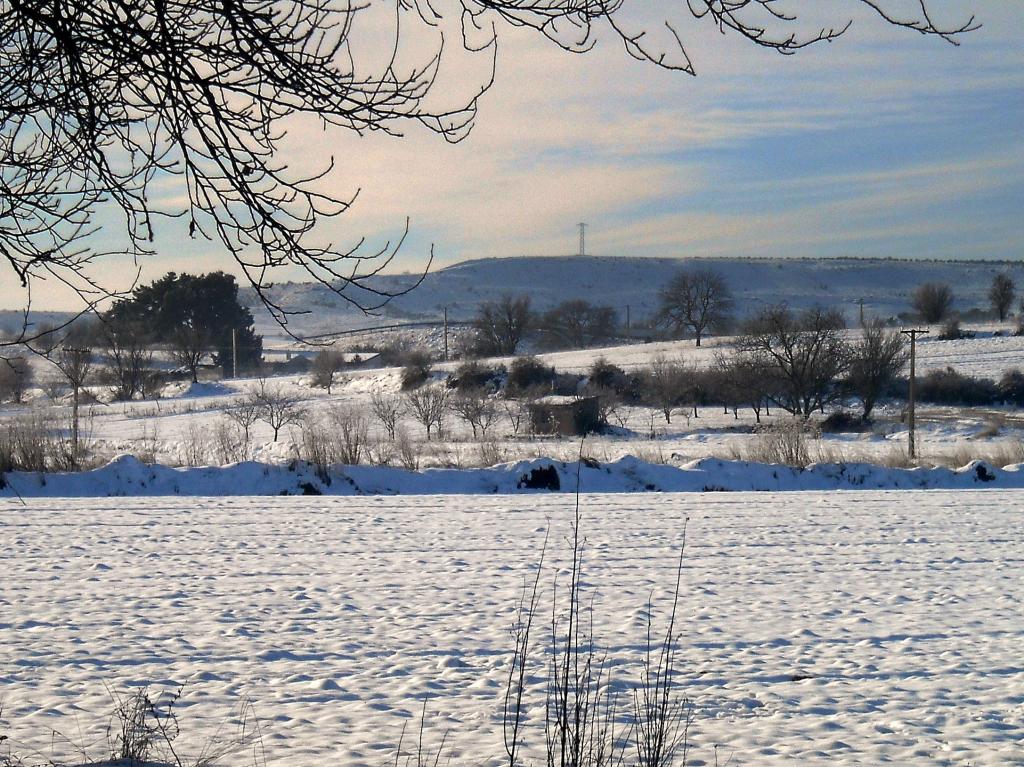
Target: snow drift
(128, 476)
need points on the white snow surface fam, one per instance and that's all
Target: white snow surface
(816, 628)
(128, 476)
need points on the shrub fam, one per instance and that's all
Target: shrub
(784, 442)
(948, 387)
(529, 373)
(605, 375)
(1011, 387)
(31, 442)
(416, 371)
(951, 330)
(842, 421)
(932, 301)
(473, 376)
(15, 377)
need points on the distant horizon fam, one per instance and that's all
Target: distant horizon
(70, 308)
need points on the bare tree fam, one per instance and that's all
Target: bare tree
(326, 363)
(745, 379)
(501, 325)
(244, 415)
(277, 407)
(130, 358)
(188, 346)
(100, 100)
(75, 364)
(15, 377)
(696, 301)
(1001, 295)
(933, 301)
(429, 406)
(876, 361)
(477, 408)
(805, 354)
(576, 324)
(662, 385)
(387, 409)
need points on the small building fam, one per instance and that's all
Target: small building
(565, 416)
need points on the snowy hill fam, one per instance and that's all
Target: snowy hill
(884, 285)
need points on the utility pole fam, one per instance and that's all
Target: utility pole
(861, 302)
(912, 393)
(628, 324)
(583, 229)
(234, 353)
(446, 334)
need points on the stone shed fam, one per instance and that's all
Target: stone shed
(565, 416)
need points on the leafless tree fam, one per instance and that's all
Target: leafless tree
(745, 379)
(662, 384)
(805, 354)
(477, 408)
(933, 301)
(877, 360)
(501, 325)
(130, 358)
(576, 324)
(695, 301)
(326, 363)
(100, 100)
(188, 346)
(15, 377)
(277, 407)
(429, 406)
(387, 409)
(244, 415)
(1001, 295)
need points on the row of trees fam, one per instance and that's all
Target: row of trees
(800, 362)
(933, 301)
(694, 303)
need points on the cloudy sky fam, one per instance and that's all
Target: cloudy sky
(883, 143)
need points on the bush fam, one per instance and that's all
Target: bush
(472, 376)
(529, 373)
(416, 371)
(15, 377)
(951, 330)
(31, 442)
(842, 421)
(1011, 387)
(784, 443)
(948, 387)
(605, 375)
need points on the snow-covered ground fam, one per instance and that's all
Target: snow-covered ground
(168, 430)
(856, 628)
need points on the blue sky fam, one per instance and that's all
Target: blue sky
(883, 143)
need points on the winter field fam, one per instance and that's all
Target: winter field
(839, 628)
(180, 429)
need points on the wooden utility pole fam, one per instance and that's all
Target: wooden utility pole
(912, 389)
(446, 334)
(234, 353)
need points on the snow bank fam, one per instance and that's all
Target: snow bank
(128, 476)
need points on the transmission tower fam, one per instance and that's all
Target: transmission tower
(583, 229)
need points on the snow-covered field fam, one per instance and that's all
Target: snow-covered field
(169, 430)
(842, 628)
